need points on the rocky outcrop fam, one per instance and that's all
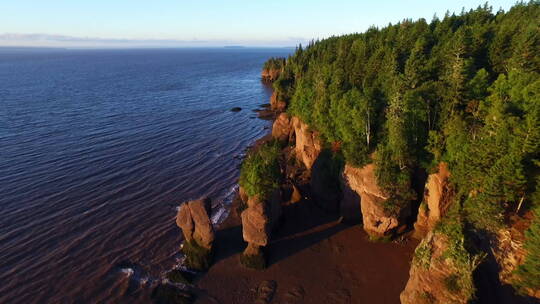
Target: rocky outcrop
(509, 253)
(276, 103)
(308, 145)
(256, 223)
(270, 75)
(434, 277)
(194, 220)
(437, 199)
(282, 128)
(377, 221)
(243, 195)
(258, 220)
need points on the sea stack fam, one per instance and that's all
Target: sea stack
(194, 220)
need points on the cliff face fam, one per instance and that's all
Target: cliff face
(276, 104)
(362, 189)
(507, 248)
(282, 128)
(437, 198)
(434, 276)
(509, 253)
(270, 75)
(308, 146)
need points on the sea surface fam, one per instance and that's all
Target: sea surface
(98, 148)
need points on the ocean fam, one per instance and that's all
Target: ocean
(98, 148)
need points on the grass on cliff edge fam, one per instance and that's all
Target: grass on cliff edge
(260, 173)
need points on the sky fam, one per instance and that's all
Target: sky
(176, 23)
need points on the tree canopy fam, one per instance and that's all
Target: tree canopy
(464, 89)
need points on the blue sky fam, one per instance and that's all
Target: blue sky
(204, 22)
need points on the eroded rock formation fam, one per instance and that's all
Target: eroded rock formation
(282, 127)
(270, 75)
(509, 253)
(258, 220)
(362, 181)
(194, 220)
(437, 199)
(308, 145)
(434, 277)
(276, 103)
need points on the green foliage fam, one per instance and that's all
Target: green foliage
(274, 63)
(458, 254)
(464, 89)
(394, 180)
(422, 255)
(451, 283)
(197, 257)
(260, 173)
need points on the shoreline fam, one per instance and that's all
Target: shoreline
(310, 243)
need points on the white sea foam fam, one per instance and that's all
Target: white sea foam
(223, 208)
(127, 271)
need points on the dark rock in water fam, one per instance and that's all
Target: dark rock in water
(265, 105)
(168, 294)
(236, 109)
